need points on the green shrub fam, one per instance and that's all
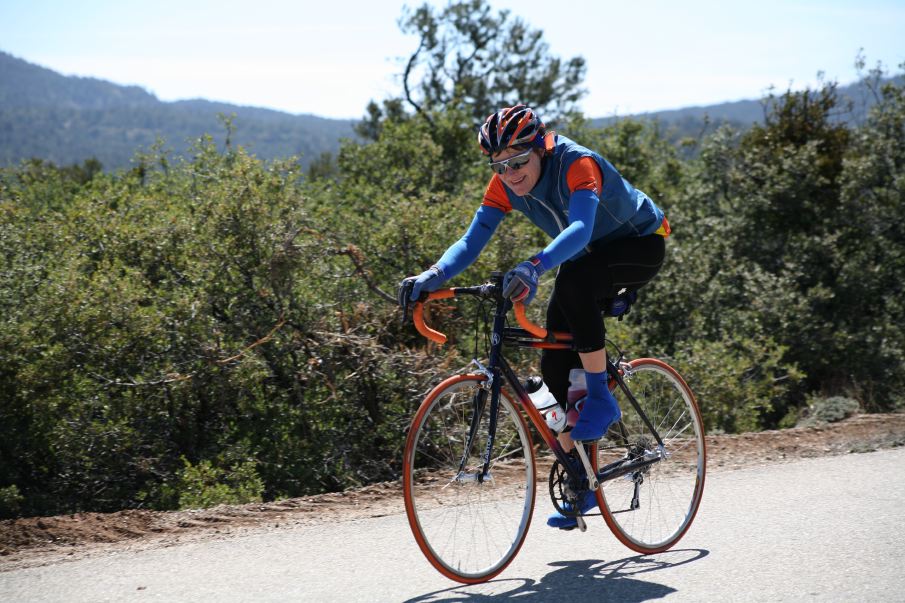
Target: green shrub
(10, 501)
(828, 410)
(737, 383)
(205, 485)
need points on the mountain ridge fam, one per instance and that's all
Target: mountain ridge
(69, 119)
(855, 100)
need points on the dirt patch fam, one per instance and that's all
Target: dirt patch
(42, 540)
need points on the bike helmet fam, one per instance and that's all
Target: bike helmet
(509, 127)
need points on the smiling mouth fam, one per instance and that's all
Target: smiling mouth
(516, 182)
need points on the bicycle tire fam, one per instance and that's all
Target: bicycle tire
(649, 510)
(469, 530)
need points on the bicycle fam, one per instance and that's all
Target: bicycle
(469, 467)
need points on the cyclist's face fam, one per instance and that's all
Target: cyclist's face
(522, 180)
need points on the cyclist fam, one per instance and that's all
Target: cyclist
(608, 240)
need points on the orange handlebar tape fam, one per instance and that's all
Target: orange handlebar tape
(418, 317)
(536, 330)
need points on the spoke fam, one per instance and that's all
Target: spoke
(675, 435)
(433, 458)
(508, 454)
(688, 442)
(669, 411)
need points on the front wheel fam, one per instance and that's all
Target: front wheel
(468, 523)
(650, 507)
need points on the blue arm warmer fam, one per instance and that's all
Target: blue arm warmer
(582, 209)
(466, 250)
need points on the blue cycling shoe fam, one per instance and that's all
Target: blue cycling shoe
(596, 417)
(565, 522)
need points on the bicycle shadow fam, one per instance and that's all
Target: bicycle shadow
(604, 581)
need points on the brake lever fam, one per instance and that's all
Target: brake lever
(403, 294)
(404, 297)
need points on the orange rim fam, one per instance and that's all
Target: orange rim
(407, 485)
(699, 484)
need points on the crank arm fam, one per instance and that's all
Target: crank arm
(593, 483)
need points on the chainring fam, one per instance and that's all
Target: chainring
(564, 490)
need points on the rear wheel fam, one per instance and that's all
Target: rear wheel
(469, 525)
(652, 506)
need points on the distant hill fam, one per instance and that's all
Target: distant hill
(66, 119)
(697, 121)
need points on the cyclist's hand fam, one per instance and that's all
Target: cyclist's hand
(410, 288)
(520, 283)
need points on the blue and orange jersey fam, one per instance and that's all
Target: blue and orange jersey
(623, 210)
(578, 190)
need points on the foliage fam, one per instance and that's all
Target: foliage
(787, 230)
(172, 312)
(211, 327)
(737, 383)
(204, 485)
(10, 501)
(828, 410)
(470, 62)
(470, 57)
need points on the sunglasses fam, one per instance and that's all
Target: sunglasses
(516, 162)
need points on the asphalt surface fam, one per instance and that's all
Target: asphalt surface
(826, 529)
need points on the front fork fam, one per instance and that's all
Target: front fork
(492, 386)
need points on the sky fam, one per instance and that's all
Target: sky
(331, 58)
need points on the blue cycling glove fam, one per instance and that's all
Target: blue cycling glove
(520, 283)
(429, 280)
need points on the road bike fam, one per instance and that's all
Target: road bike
(470, 468)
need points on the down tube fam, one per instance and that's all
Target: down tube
(548, 436)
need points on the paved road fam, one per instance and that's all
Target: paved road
(828, 529)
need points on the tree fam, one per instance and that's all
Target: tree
(469, 56)
(469, 63)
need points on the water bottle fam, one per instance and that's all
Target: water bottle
(578, 391)
(546, 404)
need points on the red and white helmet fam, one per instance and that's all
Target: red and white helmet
(509, 127)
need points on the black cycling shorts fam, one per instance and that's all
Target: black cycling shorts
(583, 287)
